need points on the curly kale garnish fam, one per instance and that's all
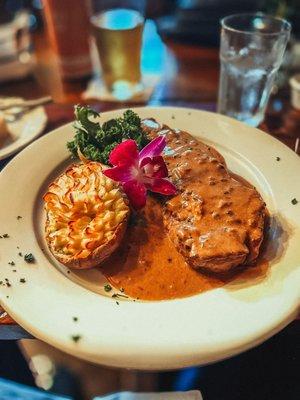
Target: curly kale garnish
(96, 142)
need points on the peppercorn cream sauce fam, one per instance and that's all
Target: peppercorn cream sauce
(148, 267)
(215, 220)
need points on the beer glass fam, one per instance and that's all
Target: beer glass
(117, 26)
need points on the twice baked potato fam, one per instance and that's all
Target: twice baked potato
(87, 216)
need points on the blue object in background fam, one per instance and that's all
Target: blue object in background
(187, 379)
(15, 391)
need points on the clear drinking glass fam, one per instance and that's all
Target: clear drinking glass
(16, 59)
(117, 27)
(252, 49)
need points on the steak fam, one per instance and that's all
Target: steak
(217, 219)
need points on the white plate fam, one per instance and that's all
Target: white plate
(151, 335)
(23, 130)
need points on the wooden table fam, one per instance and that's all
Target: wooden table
(193, 82)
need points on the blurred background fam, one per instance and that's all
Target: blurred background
(46, 50)
(49, 46)
(175, 32)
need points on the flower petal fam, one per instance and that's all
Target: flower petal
(155, 167)
(121, 174)
(154, 148)
(125, 153)
(136, 193)
(163, 186)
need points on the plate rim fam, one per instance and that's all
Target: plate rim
(244, 347)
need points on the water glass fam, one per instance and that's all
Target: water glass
(252, 49)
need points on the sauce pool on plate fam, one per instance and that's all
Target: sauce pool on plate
(148, 267)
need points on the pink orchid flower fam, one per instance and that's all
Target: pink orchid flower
(140, 171)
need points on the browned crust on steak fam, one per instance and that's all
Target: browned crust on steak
(216, 220)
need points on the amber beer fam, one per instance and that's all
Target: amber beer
(118, 36)
(68, 32)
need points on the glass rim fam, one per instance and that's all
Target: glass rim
(285, 28)
(94, 16)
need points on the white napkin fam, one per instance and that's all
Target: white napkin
(191, 395)
(97, 90)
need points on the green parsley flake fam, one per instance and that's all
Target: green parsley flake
(29, 258)
(76, 338)
(107, 287)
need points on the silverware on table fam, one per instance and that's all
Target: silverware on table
(15, 110)
(26, 104)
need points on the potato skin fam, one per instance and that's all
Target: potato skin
(97, 256)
